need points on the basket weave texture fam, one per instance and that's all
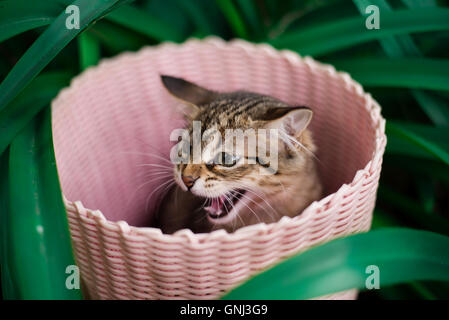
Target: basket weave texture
(115, 117)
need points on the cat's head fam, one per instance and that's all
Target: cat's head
(249, 146)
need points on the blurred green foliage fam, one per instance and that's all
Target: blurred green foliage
(404, 64)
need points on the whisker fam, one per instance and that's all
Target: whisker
(202, 206)
(274, 212)
(284, 135)
(246, 197)
(146, 183)
(232, 208)
(157, 165)
(157, 174)
(207, 203)
(159, 154)
(148, 155)
(257, 204)
(157, 188)
(249, 189)
(155, 171)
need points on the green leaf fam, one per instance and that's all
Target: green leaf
(417, 166)
(272, 9)
(169, 11)
(422, 291)
(394, 47)
(17, 16)
(398, 145)
(116, 38)
(313, 14)
(435, 107)
(420, 3)
(426, 194)
(35, 97)
(341, 264)
(47, 46)
(143, 22)
(8, 288)
(383, 219)
(397, 47)
(89, 50)
(344, 33)
(38, 247)
(432, 140)
(21, 16)
(250, 12)
(198, 18)
(233, 18)
(407, 209)
(407, 72)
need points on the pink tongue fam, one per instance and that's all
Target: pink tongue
(216, 206)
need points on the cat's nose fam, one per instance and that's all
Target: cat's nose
(189, 181)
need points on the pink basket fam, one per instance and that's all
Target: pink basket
(112, 116)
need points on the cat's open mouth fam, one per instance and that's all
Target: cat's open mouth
(220, 207)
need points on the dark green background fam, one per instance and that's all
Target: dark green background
(405, 65)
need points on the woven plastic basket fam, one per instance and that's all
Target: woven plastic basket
(113, 116)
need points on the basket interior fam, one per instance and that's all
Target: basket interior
(117, 118)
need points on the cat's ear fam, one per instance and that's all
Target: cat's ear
(192, 95)
(292, 120)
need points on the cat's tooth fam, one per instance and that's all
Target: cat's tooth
(210, 209)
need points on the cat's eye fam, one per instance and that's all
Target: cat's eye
(226, 159)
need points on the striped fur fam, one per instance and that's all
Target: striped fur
(294, 185)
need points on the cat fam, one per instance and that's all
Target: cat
(224, 190)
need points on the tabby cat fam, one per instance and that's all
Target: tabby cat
(226, 190)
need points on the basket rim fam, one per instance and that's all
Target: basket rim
(370, 105)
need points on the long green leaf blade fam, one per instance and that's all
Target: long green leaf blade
(115, 38)
(344, 33)
(432, 140)
(233, 17)
(17, 16)
(30, 101)
(400, 254)
(435, 107)
(47, 46)
(39, 247)
(420, 3)
(250, 12)
(143, 22)
(89, 50)
(8, 288)
(394, 47)
(406, 73)
(408, 209)
(399, 146)
(199, 18)
(402, 46)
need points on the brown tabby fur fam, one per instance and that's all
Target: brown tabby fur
(286, 193)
